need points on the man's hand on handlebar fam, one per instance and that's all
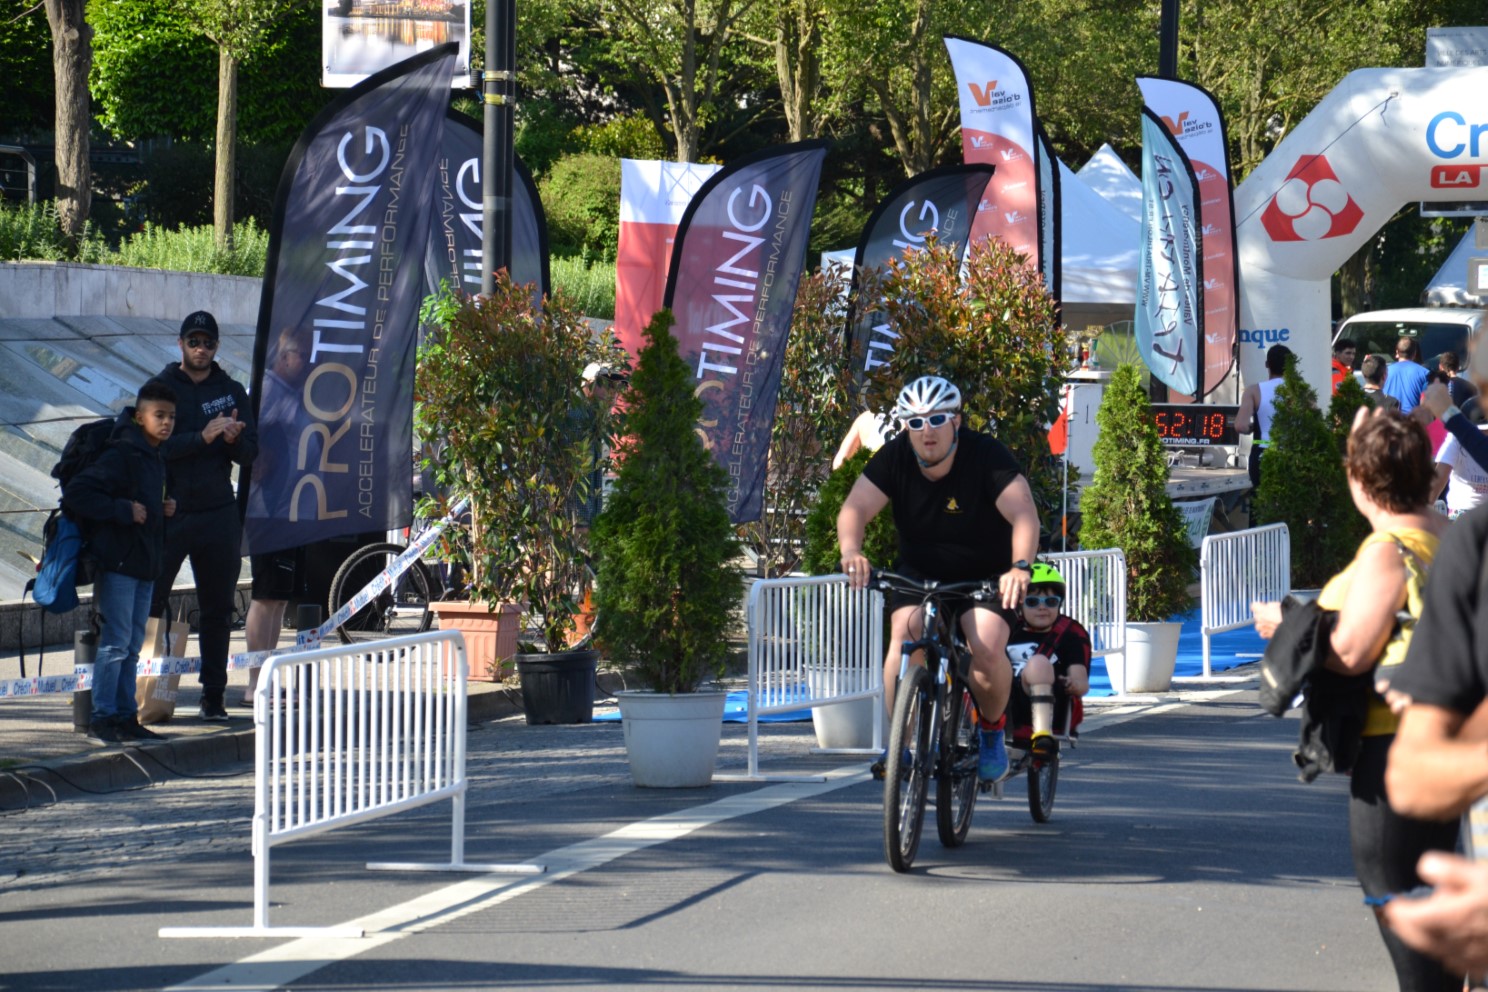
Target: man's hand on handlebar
(856, 568)
(1013, 585)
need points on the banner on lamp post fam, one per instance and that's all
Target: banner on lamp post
(333, 362)
(740, 252)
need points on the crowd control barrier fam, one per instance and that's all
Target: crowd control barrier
(813, 641)
(349, 734)
(1236, 569)
(1095, 596)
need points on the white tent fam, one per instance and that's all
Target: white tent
(1108, 175)
(1448, 288)
(1098, 247)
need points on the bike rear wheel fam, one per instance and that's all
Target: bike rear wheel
(907, 768)
(402, 608)
(1043, 777)
(960, 751)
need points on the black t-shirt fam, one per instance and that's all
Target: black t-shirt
(949, 529)
(1447, 664)
(1070, 647)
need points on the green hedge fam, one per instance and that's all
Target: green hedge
(590, 288)
(30, 232)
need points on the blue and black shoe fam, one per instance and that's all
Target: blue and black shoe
(992, 765)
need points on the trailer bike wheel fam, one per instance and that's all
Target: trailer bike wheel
(402, 608)
(960, 750)
(1043, 777)
(907, 768)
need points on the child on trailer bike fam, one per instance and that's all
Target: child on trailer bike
(1050, 653)
(964, 512)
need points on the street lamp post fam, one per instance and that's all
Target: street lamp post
(497, 154)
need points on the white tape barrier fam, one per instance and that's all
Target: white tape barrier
(812, 642)
(1237, 569)
(81, 679)
(1095, 597)
(350, 734)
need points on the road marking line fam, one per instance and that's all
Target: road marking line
(279, 966)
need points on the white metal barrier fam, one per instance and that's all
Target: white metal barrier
(1095, 596)
(813, 641)
(349, 734)
(1236, 569)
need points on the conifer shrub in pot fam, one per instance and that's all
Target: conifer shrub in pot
(503, 418)
(665, 591)
(1127, 506)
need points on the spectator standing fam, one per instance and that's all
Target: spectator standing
(1406, 378)
(1258, 406)
(1344, 351)
(123, 495)
(1457, 385)
(1373, 371)
(214, 431)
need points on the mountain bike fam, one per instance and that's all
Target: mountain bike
(934, 729)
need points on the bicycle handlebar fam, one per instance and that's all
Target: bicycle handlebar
(981, 590)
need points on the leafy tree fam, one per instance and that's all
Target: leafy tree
(992, 330)
(26, 67)
(581, 196)
(1127, 505)
(1303, 484)
(664, 540)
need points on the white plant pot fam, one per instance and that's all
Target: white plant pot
(845, 726)
(1151, 653)
(672, 741)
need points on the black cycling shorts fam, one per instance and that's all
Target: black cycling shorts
(279, 575)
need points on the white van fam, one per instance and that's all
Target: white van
(1436, 330)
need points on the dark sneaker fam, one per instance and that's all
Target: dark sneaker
(103, 732)
(1045, 747)
(212, 709)
(877, 768)
(132, 730)
(992, 764)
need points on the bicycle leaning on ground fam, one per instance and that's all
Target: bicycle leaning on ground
(933, 730)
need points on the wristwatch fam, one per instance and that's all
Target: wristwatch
(1023, 564)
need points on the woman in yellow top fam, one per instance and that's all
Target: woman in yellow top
(1390, 476)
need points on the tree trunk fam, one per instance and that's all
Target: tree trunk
(798, 67)
(1356, 281)
(72, 58)
(227, 148)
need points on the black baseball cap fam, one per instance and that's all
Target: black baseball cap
(200, 322)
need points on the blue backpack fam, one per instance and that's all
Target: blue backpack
(63, 567)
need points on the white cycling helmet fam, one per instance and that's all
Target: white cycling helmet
(925, 395)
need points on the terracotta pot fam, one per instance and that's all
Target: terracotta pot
(490, 635)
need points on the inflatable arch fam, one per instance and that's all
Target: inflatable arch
(1381, 139)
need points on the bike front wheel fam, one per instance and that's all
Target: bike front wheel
(960, 751)
(907, 768)
(402, 608)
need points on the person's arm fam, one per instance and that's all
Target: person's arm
(1245, 416)
(1015, 503)
(851, 441)
(1443, 473)
(863, 503)
(1436, 770)
(1368, 614)
(1472, 440)
(1450, 924)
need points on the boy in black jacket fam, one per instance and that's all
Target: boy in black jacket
(214, 432)
(123, 495)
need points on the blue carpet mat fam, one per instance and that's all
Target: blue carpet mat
(1228, 650)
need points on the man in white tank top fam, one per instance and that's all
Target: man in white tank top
(1258, 406)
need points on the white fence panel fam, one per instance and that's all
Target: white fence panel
(1237, 569)
(1095, 596)
(348, 734)
(813, 641)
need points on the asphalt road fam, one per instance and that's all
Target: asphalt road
(1183, 854)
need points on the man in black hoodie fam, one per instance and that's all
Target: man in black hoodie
(123, 495)
(214, 431)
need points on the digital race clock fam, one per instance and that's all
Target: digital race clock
(1184, 424)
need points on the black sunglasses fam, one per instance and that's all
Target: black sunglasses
(206, 343)
(934, 420)
(1034, 602)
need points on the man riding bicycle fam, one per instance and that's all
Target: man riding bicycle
(964, 512)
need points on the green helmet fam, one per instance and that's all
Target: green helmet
(1045, 574)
